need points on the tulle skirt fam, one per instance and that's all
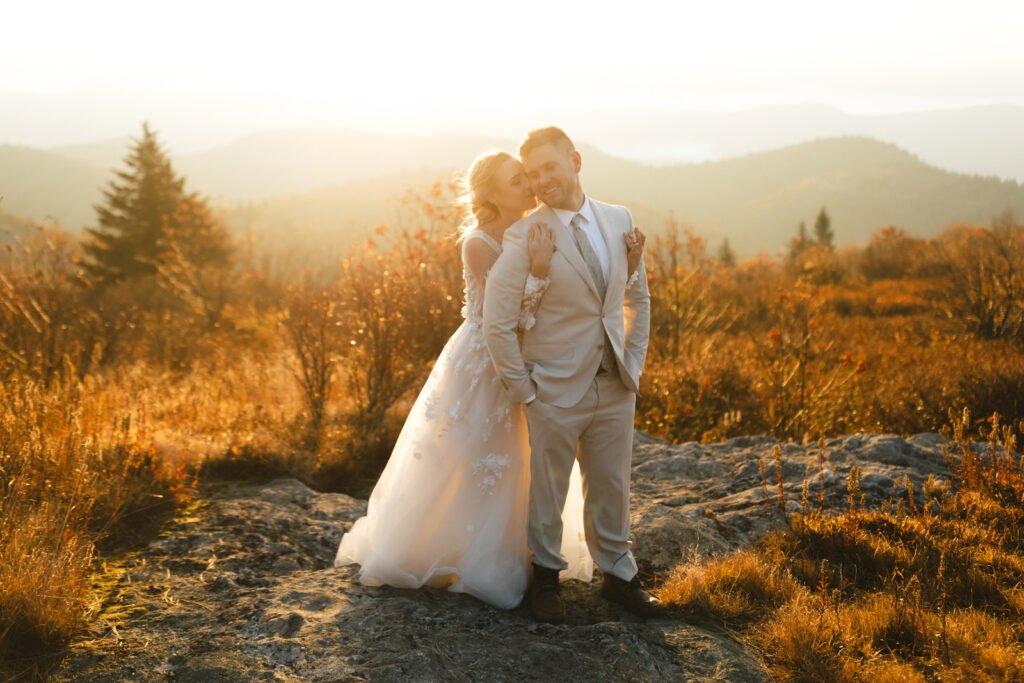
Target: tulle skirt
(450, 508)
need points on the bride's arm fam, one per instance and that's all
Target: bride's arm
(501, 311)
(634, 253)
(541, 245)
(479, 258)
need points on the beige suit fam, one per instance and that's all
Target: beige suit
(577, 413)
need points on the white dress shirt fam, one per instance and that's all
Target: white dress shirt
(589, 224)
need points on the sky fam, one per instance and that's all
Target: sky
(867, 57)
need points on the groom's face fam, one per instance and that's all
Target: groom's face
(553, 171)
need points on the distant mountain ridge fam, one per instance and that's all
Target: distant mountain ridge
(13, 226)
(756, 200)
(338, 183)
(983, 140)
(986, 139)
(287, 162)
(48, 187)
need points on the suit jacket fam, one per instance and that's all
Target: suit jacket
(559, 356)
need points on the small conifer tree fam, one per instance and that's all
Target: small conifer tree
(800, 243)
(823, 233)
(145, 215)
(726, 256)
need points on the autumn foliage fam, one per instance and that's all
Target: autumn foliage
(117, 401)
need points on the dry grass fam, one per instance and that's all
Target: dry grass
(115, 401)
(78, 476)
(908, 592)
(738, 590)
(43, 578)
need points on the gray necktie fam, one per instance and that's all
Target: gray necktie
(589, 255)
(594, 266)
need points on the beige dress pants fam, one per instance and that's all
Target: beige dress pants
(599, 432)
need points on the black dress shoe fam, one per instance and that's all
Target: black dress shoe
(632, 596)
(543, 594)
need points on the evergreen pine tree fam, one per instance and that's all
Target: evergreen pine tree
(823, 232)
(799, 244)
(146, 214)
(726, 256)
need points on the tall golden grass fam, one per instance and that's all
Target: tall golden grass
(908, 592)
(117, 401)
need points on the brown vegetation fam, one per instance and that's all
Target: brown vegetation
(116, 400)
(909, 592)
(881, 338)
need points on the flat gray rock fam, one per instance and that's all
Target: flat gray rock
(242, 588)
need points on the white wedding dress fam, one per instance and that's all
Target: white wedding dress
(450, 507)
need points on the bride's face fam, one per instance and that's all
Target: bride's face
(511, 192)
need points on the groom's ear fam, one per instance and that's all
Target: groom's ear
(577, 161)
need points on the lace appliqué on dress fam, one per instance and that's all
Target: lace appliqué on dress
(532, 293)
(633, 278)
(488, 471)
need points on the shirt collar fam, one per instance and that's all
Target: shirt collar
(586, 212)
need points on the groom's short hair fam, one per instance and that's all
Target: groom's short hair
(552, 135)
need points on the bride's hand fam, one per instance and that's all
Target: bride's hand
(634, 248)
(540, 240)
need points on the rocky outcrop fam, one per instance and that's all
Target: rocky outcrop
(698, 500)
(241, 588)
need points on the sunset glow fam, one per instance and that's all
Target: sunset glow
(874, 56)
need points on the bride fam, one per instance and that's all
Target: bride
(449, 510)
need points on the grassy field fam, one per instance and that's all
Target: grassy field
(116, 401)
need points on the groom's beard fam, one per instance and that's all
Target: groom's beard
(561, 194)
(557, 197)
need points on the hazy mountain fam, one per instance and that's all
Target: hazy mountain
(13, 226)
(756, 200)
(104, 154)
(189, 122)
(287, 162)
(986, 140)
(49, 187)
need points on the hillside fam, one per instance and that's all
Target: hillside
(105, 154)
(987, 139)
(289, 162)
(49, 187)
(756, 200)
(333, 185)
(13, 226)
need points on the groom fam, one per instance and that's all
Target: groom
(576, 371)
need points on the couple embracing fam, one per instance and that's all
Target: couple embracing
(515, 458)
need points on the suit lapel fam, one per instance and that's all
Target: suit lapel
(616, 251)
(566, 243)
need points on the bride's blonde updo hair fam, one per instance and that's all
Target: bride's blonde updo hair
(476, 185)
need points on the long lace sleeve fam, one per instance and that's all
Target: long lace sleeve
(532, 293)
